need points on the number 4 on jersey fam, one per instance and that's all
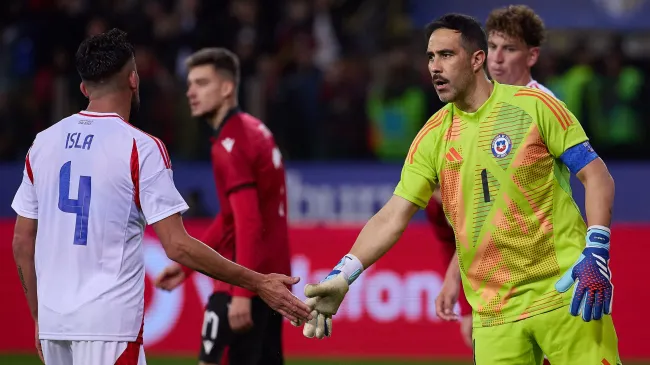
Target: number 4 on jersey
(80, 206)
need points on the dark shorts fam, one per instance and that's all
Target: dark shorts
(261, 345)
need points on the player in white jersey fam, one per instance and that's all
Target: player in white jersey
(536, 85)
(515, 34)
(91, 184)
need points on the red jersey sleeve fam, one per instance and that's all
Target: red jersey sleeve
(249, 251)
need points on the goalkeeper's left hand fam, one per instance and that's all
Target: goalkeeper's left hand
(593, 292)
(325, 298)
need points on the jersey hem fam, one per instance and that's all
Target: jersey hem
(180, 208)
(478, 324)
(24, 213)
(86, 337)
(410, 198)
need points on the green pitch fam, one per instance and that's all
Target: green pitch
(32, 360)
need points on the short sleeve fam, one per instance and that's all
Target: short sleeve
(559, 127)
(236, 164)
(419, 178)
(25, 201)
(159, 197)
(157, 193)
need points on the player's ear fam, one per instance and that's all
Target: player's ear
(533, 56)
(227, 88)
(134, 80)
(83, 89)
(478, 59)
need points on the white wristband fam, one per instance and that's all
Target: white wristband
(606, 229)
(598, 236)
(350, 267)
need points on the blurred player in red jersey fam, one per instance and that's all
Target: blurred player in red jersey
(515, 34)
(251, 227)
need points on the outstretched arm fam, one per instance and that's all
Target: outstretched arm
(383, 230)
(188, 251)
(194, 254)
(212, 237)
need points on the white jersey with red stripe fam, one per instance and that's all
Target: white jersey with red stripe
(93, 182)
(536, 85)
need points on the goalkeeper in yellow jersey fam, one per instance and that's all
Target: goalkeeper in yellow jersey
(514, 36)
(537, 277)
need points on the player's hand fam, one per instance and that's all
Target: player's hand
(170, 278)
(593, 291)
(466, 329)
(325, 298)
(273, 290)
(319, 326)
(447, 299)
(39, 349)
(239, 314)
(328, 294)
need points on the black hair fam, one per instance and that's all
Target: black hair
(103, 55)
(472, 34)
(221, 59)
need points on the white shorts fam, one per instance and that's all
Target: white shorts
(92, 353)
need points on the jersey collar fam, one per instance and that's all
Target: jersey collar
(483, 109)
(87, 113)
(226, 118)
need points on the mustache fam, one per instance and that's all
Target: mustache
(437, 78)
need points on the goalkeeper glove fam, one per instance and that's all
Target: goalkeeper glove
(320, 325)
(593, 291)
(325, 298)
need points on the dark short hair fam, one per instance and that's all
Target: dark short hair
(518, 21)
(472, 34)
(103, 55)
(222, 59)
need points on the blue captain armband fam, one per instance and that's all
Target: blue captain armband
(578, 156)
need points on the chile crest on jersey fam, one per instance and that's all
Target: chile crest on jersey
(501, 145)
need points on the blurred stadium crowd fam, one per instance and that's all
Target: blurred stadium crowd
(332, 79)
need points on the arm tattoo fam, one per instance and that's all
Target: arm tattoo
(22, 279)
